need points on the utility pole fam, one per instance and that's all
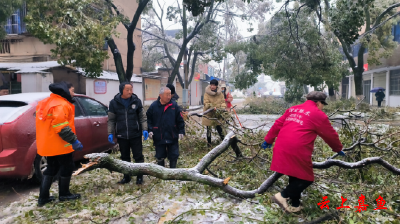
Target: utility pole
(226, 40)
(185, 100)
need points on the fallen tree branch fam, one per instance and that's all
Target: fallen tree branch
(357, 165)
(104, 160)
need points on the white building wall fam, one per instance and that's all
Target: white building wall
(394, 101)
(196, 91)
(112, 90)
(36, 82)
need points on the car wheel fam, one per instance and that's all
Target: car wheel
(40, 165)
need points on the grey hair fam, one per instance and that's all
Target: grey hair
(162, 89)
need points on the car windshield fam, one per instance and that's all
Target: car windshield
(11, 110)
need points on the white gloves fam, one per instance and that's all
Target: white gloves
(181, 136)
(151, 135)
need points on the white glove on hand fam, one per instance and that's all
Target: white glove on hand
(181, 136)
(151, 135)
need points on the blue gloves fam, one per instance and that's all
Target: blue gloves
(146, 135)
(111, 138)
(341, 153)
(77, 145)
(266, 145)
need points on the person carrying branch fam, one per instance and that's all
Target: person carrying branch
(296, 132)
(166, 127)
(213, 98)
(126, 118)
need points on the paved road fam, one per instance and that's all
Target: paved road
(12, 190)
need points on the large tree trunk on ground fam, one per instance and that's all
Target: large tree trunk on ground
(104, 160)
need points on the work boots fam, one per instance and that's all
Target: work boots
(44, 195)
(63, 188)
(125, 180)
(161, 162)
(139, 178)
(172, 163)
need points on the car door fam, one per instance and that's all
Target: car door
(97, 115)
(83, 130)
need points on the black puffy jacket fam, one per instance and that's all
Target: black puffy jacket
(165, 121)
(126, 122)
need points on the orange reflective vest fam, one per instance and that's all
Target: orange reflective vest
(52, 115)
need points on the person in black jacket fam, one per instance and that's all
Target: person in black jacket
(380, 95)
(166, 127)
(127, 119)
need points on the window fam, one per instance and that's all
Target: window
(78, 111)
(15, 23)
(92, 107)
(394, 82)
(396, 32)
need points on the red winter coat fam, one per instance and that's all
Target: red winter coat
(297, 130)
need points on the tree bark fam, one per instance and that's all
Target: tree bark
(119, 65)
(331, 91)
(131, 45)
(194, 60)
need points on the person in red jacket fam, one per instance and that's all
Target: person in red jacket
(296, 132)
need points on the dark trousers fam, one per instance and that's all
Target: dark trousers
(294, 189)
(63, 163)
(167, 150)
(219, 130)
(125, 146)
(379, 103)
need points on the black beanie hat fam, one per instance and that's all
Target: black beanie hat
(61, 89)
(171, 87)
(122, 86)
(214, 82)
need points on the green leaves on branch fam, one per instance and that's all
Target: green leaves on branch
(292, 48)
(347, 18)
(77, 28)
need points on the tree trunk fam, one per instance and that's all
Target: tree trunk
(194, 60)
(131, 45)
(331, 91)
(117, 60)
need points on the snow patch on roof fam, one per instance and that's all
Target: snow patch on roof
(40, 67)
(30, 67)
(111, 76)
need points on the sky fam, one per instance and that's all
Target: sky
(242, 25)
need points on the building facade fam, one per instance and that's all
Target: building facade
(26, 64)
(386, 75)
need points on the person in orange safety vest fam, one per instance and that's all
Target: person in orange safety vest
(56, 140)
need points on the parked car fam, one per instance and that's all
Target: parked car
(18, 152)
